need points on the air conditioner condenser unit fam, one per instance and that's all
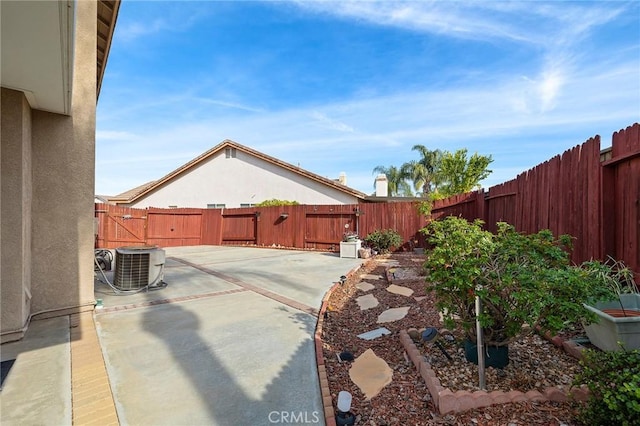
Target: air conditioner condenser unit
(138, 267)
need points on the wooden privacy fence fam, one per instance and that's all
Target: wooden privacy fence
(580, 193)
(123, 226)
(318, 227)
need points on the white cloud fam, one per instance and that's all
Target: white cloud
(549, 88)
(322, 120)
(132, 30)
(176, 19)
(557, 21)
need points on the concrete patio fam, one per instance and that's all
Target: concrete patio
(229, 341)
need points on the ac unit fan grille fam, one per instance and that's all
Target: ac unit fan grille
(132, 271)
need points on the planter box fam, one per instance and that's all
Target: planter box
(350, 248)
(609, 330)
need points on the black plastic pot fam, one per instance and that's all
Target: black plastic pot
(345, 419)
(494, 356)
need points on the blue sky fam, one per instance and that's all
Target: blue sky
(343, 86)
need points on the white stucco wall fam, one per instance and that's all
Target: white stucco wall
(241, 180)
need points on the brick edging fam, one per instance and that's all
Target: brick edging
(447, 401)
(327, 401)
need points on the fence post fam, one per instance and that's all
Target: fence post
(480, 205)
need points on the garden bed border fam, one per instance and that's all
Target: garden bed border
(447, 401)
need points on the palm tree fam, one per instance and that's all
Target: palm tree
(423, 172)
(397, 184)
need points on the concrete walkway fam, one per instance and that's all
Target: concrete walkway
(229, 341)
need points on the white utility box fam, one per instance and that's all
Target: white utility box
(350, 248)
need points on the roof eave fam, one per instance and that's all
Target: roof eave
(107, 16)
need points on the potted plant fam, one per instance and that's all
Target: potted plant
(520, 279)
(618, 316)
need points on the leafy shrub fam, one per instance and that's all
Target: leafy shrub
(382, 240)
(613, 379)
(521, 279)
(275, 202)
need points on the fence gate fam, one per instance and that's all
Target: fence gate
(122, 228)
(324, 230)
(240, 228)
(174, 228)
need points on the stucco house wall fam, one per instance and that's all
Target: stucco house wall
(46, 211)
(233, 182)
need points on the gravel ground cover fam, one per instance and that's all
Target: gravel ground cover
(534, 362)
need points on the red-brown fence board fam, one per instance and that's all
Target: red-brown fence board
(623, 173)
(463, 205)
(174, 227)
(500, 204)
(211, 227)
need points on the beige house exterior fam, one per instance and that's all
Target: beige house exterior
(232, 175)
(53, 58)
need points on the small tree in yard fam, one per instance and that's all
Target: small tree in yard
(458, 174)
(521, 279)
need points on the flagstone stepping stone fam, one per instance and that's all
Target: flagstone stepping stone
(398, 289)
(393, 314)
(365, 286)
(370, 373)
(373, 334)
(370, 277)
(367, 302)
(420, 298)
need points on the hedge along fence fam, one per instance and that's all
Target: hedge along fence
(590, 195)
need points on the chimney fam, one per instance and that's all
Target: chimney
(343, 178)
(382, 186)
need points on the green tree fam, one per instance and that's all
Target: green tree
(423, 172)
(457, 173)
(397, 185)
